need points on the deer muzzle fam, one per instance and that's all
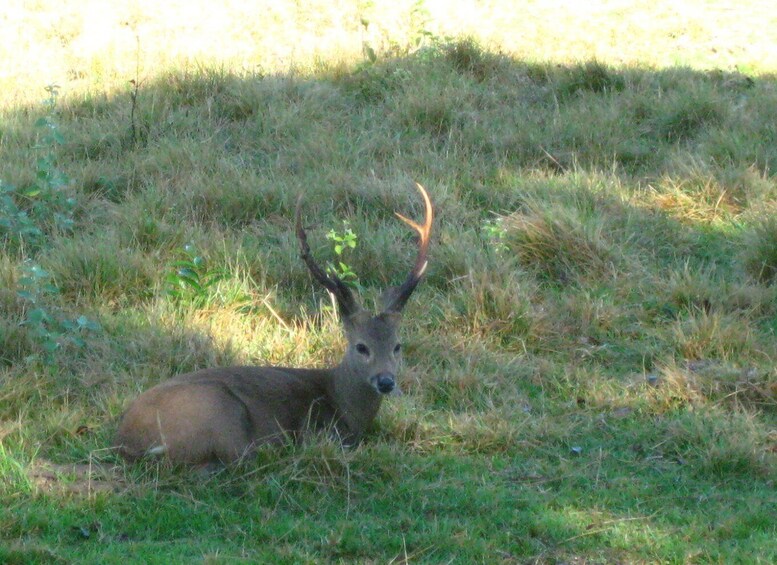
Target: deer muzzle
(384, 383)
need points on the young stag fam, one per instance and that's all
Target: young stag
(219, 415)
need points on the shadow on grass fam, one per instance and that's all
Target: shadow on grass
(612, 183)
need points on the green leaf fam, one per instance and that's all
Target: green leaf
(49, 289)
(77, 341)
(38, 272)
(37, 316)
(30, 230)
(26, 295)
(212, 277)
(87, 324)
(188, 273)
(370, 52)
(31, 191)
(40, 332)
(192, 281)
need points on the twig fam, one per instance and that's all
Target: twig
(275, 314)
(608, 523)
(135, 82)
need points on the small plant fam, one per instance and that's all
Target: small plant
(342, 243)
(47, 193)
(419, 38)
(27, 214)
(192, 281)
(496, 234)
(420, 18)
(16, 225)
(46, 323)
(367, 49)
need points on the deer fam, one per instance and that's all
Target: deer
(218, 416)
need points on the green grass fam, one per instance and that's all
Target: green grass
(589, 364)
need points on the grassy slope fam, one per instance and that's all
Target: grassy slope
(590, 363)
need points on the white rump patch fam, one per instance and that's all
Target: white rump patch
(158, 450)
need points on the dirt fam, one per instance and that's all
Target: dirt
(81, 479)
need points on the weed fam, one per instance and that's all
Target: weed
(495, 234)
(46, 322)
(18, 228)
(342, 243)
(48, 209)
(30, 214)
(192, 282)
(133, 93)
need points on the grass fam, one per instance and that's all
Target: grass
(589, 364)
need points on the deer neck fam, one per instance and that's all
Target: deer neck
(356, 400)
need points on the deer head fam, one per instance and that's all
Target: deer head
(373, 353)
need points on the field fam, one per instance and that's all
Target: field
(590, 364)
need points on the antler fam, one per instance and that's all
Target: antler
(345, 299)
(401, 294)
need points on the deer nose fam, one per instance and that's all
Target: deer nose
(385, 383)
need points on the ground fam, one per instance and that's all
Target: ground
(589, 368)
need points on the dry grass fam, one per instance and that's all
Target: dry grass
(760, 253)
(589, 362)
(101, 47)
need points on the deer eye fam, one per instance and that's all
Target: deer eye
(397, 348)
(362, 349)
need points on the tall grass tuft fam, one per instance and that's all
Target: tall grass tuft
(760, 252)
(560, 243)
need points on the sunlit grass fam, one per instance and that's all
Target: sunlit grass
(589, 364)
(104, 47)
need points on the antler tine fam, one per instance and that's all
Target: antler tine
(345, 299)
(424, 230)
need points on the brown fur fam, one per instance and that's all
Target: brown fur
(220, 415)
